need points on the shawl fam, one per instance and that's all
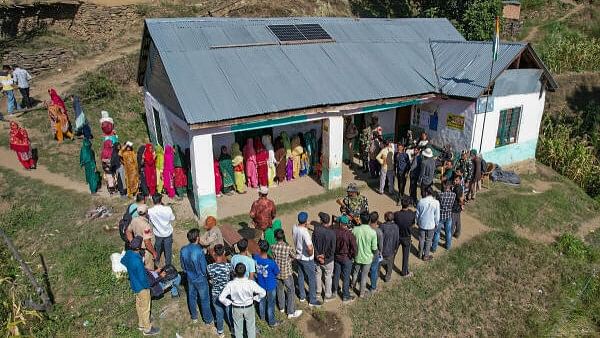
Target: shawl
(140, 157)
(80, 119)
(169, 158)
(149, 159)
(56, 99)
(19, 140)
(178, 159)
(258, 145)
(115, 161)
(160, 157)
(86, 155)
(266, 140)
(286, 143)
(297, 149)
(107, 150)
(249, 151)
(236, 155)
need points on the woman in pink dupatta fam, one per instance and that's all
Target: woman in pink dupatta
(250, 157)
(169, 171)
(262, 163)
(218, 178)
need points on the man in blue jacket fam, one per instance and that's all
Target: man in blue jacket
(138, 281)
(193, 263)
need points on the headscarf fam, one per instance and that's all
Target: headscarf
(149, 154)
(115, 160)
(19, 140)
(258, 146)
(178, 162)
(236, 155)
(169, 158)
(80, 119)
(286, 143)
(297, 149)
(140, 157)
(160, 156)
(56, 99)
(107, 150)
(249, 149)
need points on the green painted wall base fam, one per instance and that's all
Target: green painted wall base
(512, 153)
(331, 178)
(206, 205)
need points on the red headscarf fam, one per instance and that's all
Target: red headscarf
(19, 140)
(149, 155)
(107, 150)
(258, 146)
(56, 99)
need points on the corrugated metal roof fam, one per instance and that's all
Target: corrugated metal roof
(518, 81)
(367, 61)
(464, 66)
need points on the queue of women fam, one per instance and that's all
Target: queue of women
(261, 164)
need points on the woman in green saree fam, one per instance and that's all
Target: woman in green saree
(226, 171)
(87, 159)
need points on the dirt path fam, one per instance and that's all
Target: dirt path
(533, 33)
(64, 80)
(588, 227)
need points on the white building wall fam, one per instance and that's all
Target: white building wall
(387, 121)
(223, 140)
(531, 118)
(444, 134)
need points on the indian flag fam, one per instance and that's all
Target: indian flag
(496, 42)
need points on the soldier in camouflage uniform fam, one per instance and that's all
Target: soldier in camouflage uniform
(465, 165)
(365, 144)
(354, 204)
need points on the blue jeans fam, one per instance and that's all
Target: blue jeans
(164, 244)
(447, 225)
(173, 284)
(374, 272)
(267, 303)
(199, 289)
(11, 101)
(307, 269)
(222, 314)
(345, 269)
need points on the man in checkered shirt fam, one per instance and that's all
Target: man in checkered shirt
(446, 199)
(283, 255)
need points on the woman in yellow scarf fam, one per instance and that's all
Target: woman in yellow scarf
(237, 160)
(297, 151)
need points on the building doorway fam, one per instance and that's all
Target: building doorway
(242, 136)
(402, 123)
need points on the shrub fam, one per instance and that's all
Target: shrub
(97, 86)
(571, 246)
(565, 50)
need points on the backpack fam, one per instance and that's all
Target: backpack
(124, 223)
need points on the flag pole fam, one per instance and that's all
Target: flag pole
(496, 49)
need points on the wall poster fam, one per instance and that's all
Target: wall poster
(455, 121)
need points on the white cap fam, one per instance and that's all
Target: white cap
(129, 144)
(105, 117)
(263, 190)
(427, 152)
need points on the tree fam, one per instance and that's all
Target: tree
(479, 19)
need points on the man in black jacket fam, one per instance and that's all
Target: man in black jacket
(404, 220)
(391, 241)
(323, 239)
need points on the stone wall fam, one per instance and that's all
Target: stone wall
(40, 61)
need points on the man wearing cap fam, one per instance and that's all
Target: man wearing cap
(212, 236)
(354, 204)
(323, 238)
(366, 247)
(140, 226)
(263, 210)
(139, 284)
(345, 251)
(305, 257)
(365, 144)
(427, 170)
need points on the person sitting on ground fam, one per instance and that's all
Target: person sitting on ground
(345, 251)
(263, 210)
(212, 236)
(266, 277)
(219, 274)
(140, 226)
(305, 255)
(244, 257)
(427, 217)
(323, 238)
(161, 217)
(162, 279)
(377, 258)
(283, 254)
(138, 282)
(404, 220)
(240, 294)
(366, 247)
(193, 263)
(391, 241)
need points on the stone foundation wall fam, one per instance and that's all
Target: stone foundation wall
(35, 63)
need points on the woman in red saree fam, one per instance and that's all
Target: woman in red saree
(57, 100)
(218, 178)
(150, 169)
(20, 143)
(262, 163)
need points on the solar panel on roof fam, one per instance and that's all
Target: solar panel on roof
(313, 32)
(302, 32)
(286, 32)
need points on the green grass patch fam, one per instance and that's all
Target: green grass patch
(562, 207)
(495, 285)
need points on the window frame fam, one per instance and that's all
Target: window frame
(498, 142)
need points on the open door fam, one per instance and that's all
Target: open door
(402, 123)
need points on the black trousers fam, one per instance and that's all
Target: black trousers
(388, 265)
(423, 188)
(401, 179)
(25, 99)
(413, 188)
(405, 243)
(456, 224)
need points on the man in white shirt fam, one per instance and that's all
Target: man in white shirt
(22, 77)
(305, 257)
(162, 217)
(428, 217)
(242, 293)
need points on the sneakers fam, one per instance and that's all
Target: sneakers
(296, 314)
(410, 274)
(428, 258)
(282, 310)
(302, 300)
(152, 332)
(329, 299)
(348, 300)
(315, 304)
(220, 333)
(194, 321)
(276, 324)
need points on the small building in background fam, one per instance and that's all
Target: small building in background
(511, 15)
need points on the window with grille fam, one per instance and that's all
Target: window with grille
(508, 127)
